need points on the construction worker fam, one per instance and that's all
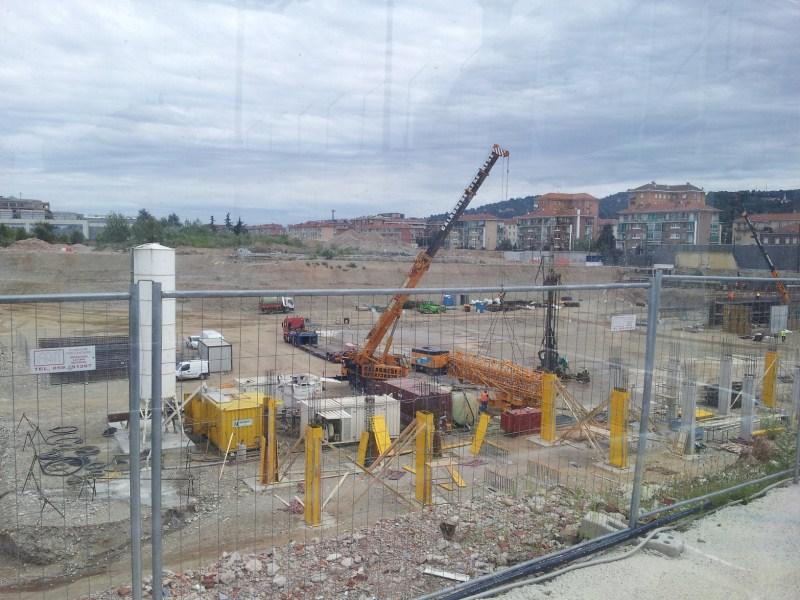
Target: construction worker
(484, 401)
(783, 335)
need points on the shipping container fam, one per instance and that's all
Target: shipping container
(415, 395)
(521, 420)
(227, 418)
(343, 419)
(219, 354)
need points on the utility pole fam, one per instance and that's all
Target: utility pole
(333, 214)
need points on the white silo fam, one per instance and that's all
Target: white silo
(156, 263)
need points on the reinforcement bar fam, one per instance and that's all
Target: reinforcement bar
(408, 291)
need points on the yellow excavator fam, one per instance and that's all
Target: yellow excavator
(368, 363)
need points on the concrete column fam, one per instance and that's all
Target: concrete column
(796, 394)
(725, 383)
(688, 406)
(747, 407)
(312, 512)
(423, 486)
(548, 431)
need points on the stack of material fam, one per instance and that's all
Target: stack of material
(519, 386)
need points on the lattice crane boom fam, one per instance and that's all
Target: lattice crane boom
(364, 364)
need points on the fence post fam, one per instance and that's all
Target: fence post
(647, 394)
(155, 439)
(134, 414)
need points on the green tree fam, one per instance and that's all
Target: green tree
(173, 220)
(44, 231)
(212, 225)
(146, 228)
(228, 223)
(116, 231)
(76, 237)
(239, 228)
(20, 234)
(6, 235)
(606, 243)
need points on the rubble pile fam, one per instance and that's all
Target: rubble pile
(388, 560)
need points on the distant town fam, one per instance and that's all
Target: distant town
(653, 215)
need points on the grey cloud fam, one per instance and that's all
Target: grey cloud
(136, 105)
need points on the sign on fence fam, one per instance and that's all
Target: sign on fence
(623, 322)
(63, 360)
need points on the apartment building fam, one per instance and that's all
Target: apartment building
(660, 214)
(391, 225)
(559, 221)
(773, 229)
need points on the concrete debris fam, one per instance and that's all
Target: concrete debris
(391, 558)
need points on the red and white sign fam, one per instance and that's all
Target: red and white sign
(63, 360)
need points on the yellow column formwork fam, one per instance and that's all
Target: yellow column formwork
(480, 434)
(424, 451)
(618, 424)
(313, 479)
(548, 433)
(770, 379)
(269, 445)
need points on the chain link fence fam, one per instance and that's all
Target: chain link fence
(523, 420)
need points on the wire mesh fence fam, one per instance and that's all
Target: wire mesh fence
(510, 431)
(64, 497)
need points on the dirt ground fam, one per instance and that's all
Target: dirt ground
(211, 510)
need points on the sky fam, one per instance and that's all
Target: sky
(283, 111)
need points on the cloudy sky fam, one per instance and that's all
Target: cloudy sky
(281, 110)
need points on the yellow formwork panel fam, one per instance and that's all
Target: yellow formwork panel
(269, 444)
(424, 451)
(456, 476)
(618, 421)
(382, 439)
(480, 434)
(548, 433)
(313, 476)
(363, 445)
(700, 414)
(770, 379)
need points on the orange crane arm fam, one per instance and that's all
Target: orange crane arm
(422, 264)
(784, 293)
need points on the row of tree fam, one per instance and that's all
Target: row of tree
(43, 231)
(170, 230)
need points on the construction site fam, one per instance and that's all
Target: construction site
(321, 436)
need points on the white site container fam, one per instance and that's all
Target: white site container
(344, 419)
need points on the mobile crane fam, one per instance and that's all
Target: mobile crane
(366, 364)
(782, 291)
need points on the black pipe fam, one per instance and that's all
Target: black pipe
(550, 562)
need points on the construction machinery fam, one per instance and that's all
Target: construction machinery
(782, 291)
(368, 363)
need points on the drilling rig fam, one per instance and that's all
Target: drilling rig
(368, 363)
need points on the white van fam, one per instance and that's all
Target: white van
(191, 369)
